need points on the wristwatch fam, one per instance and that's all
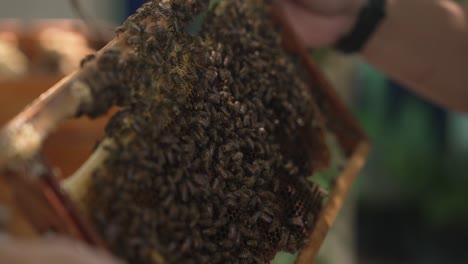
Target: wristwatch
(367, 22)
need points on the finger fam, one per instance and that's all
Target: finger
(314, 29)
(81, 252)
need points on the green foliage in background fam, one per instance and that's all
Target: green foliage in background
(406, 151)
(284, 258)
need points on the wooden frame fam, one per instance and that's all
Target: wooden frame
(350, 137)
(53, 210)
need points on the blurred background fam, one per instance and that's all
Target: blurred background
(410, 203)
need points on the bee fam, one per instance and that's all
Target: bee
(232, 232)
(253, 169)
(227, 244)
(260, 182)
(176, 26)
(177, 80)
(157, 57)
(204, 58)
(267, 195)
(214, 98)
(235, 89)
(210, 231)
(120, 29)
(230, 202)
(226, 61)
(191, 188)
(208, 209)
(248, 233)
(259, 148)
(108, 60)
(177, 176)
(170, 157)
(221, 222)
(284, 237)
(252, 243)
(296, 221)
(246, 254)
(201, 179)
(244, 201)
(211, 247)
(226, 76)
(249, 182)
(218, 184)
(309, 220)
(235, 107)
(186, 245)
(229, 146)
(133, 41)
(292, 243)
(247, 120)
(215, 258)
(204, 122)
(200, 138)
(188, 149)
(211, 74)
(222, 172)
(276, 185)
(183, 189)
(133, 28)
(197, 242)
(168, 200)
(274, 225)
(88, 58)
(243, 73)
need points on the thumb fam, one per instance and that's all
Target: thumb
(331, 7)
(315, 29)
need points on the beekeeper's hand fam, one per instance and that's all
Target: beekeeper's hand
(422, 44)
(51, 251)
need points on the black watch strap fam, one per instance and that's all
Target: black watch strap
(368, 20)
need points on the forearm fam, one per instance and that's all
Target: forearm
(424, 45)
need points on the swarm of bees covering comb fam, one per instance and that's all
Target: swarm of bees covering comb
(215, 140)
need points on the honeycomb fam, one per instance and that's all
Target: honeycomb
(216, 136)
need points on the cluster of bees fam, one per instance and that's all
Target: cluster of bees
(213, 135)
